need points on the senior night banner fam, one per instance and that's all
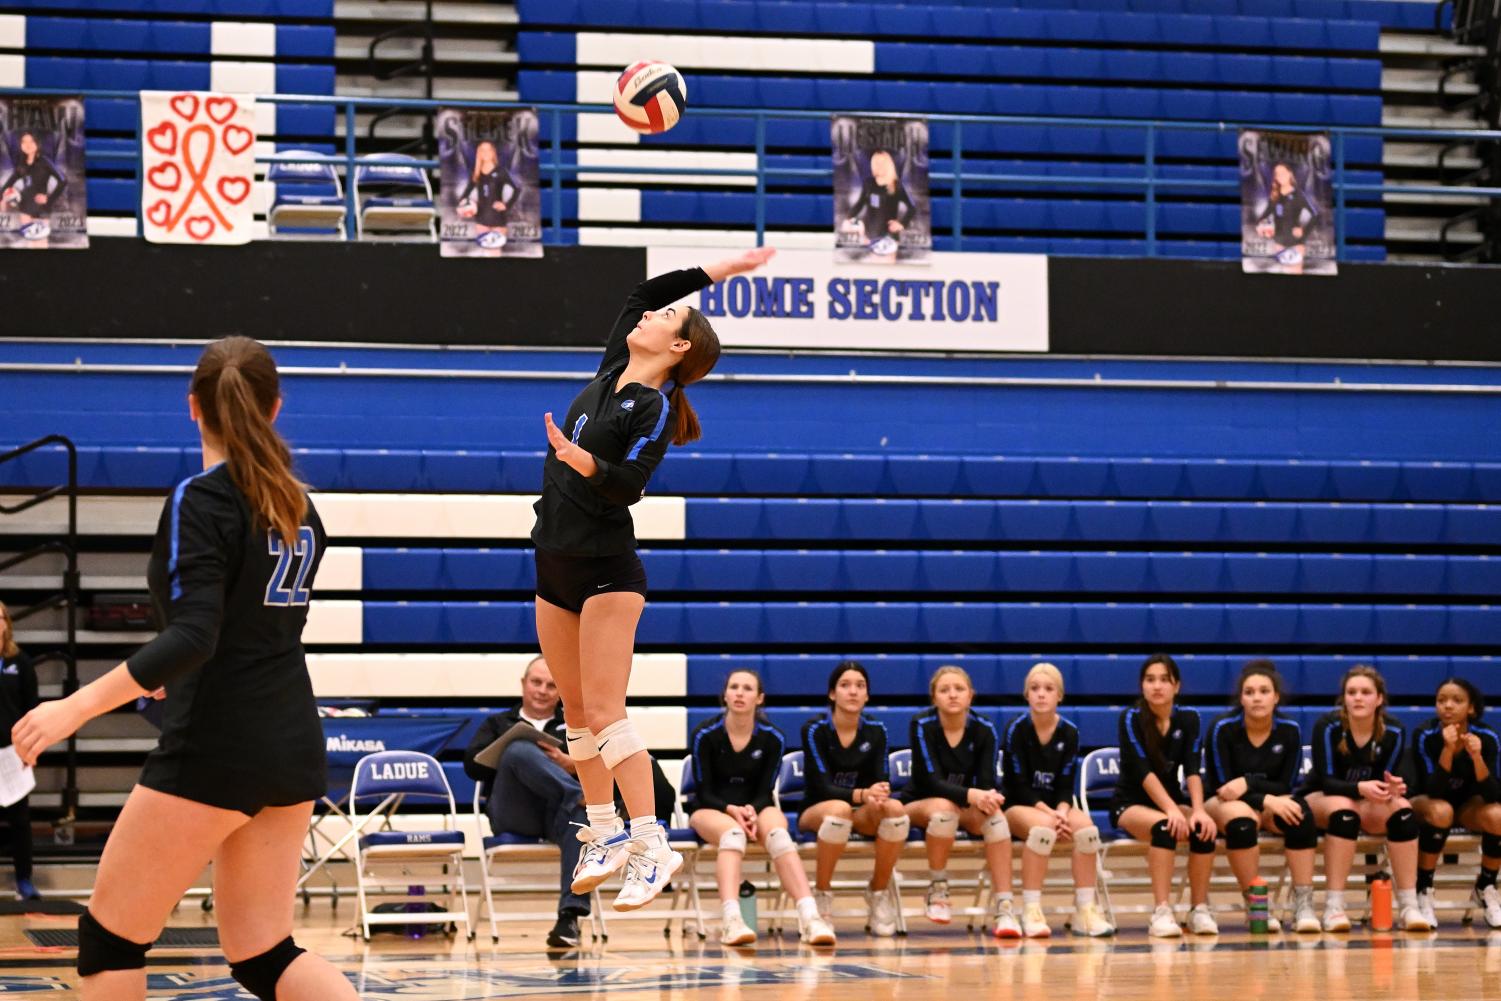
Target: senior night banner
(1286, 210)
(881, 210)
(198, 160)
(803, 299)
(43, 195)
(490, 202)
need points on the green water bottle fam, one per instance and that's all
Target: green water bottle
(748, 903)
(1258, 906)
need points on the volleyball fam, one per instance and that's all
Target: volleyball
(650, 96)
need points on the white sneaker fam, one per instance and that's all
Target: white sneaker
(1413, 919)
(1201, 922)
(939, 908)
(1164, 924)
(815, 931)
(1034, 923)
(881, 907)
(1090, 920)
(1335, 918)
(1489, 901)
(602, 855)
(825, 901)
(1305, 919)
(1426, 905)
(648, 870)
(735, 931)
(1005, 924)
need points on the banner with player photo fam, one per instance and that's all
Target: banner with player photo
(43, 194)
(881, 210)
(1286, 203)
(490, 201)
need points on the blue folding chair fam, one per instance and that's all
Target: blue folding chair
(309, 201)
(394, 201)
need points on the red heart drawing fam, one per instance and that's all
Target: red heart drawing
(185, 105)
(221, 109)
(237, 139)
(159, 213)
(200, 227)
(163, 138)
(165, 176)
(234, 189)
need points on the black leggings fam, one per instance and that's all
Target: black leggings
(18, 816)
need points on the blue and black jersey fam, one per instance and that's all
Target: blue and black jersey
(1339, 773)
(832, 770)
(1178, 752)
(724, 776)
(1269, 768)
(1035, 772)
(1457, 783)
(950, 771)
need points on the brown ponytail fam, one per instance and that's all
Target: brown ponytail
(237, 389)
(697, 362)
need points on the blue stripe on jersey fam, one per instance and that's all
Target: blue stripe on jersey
(922, 743)
(1396, 755)
(698, 774)
(1496, 740)
(813, 744)
(1329, 748)
(643, 442)
(777, 734)
(1198, 744)
(578, 427)
(1421, 745)
(1213, 753)
(1131, 731)
(172, 577)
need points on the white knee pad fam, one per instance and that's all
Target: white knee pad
(732, 840)
(779, 843)
(1041, 839)
(995, 828)
(617, 742)
(835, 830)
(943, 825)
(1087, 841)
(581, 746)
(893, 829)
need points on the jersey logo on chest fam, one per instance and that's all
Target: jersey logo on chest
(628, 405)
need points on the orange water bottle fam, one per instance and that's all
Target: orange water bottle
(1381, 903)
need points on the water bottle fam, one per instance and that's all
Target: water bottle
(1381, 903)
(417, 907)
(1258, 906)
(748, 903)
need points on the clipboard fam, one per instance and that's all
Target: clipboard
(521, 730)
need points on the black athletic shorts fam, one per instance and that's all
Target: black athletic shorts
(569, 581)
(1119, 806)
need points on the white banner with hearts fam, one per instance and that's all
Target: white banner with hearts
(198, 167)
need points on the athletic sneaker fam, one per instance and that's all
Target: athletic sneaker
(1413, 919)
(1489, 901)
(1425, 904)
(734, 930)
(648, 870)
(1034, 924)
(26, 890)
(881, 908)
(825, 901)
(939, 909)
(1090, 920)
(1164, 924)
(815, 931)
(1005, 924)
(602, 855)
(565, 931)
(1201, 922)
(1335, 918)
(1305, 919)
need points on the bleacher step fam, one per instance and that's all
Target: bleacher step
(1417, 154)
(456, 88)
(1402, 43)
(444, 11)
(1423, 81)
(481, 51)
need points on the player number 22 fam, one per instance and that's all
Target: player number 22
(277, 592)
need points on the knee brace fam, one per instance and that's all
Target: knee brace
(1040, 840)
(101, 950)
(1490, 845)
(259, 974)
(1200, 846)
(995, 828)
(1344, 824)
(1241, 833)
(835, 830)
(1087, 840)
(1300, 835)
(1431, 839)
(943, 825)
(893, 829)
(617, 742)
(1402, 826)
(732, 840)
(581, 746)
(1162, 837)
(779, 843)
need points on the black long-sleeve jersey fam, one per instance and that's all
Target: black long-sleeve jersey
(626, 432)
(877, 208)
(239, 722)
(1340, 774)
(1040, 773)
(724, 776)
(950, 771)
(1180, 750)
(1270, 769)
(18, 692)
(1288, 213)
(1458, 783)
(832, 770)
(496, 186)
(39, 177)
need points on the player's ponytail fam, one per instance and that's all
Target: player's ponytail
(237, 389)
(697, 362)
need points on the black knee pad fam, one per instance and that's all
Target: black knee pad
(259, 974)
(1490, 845)
(1402, 826)
(1431, 839)
(1204, 846)
(101, 950)
(1300, 835)
(1344, 824)
(1161, 838)
(1241, 833)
